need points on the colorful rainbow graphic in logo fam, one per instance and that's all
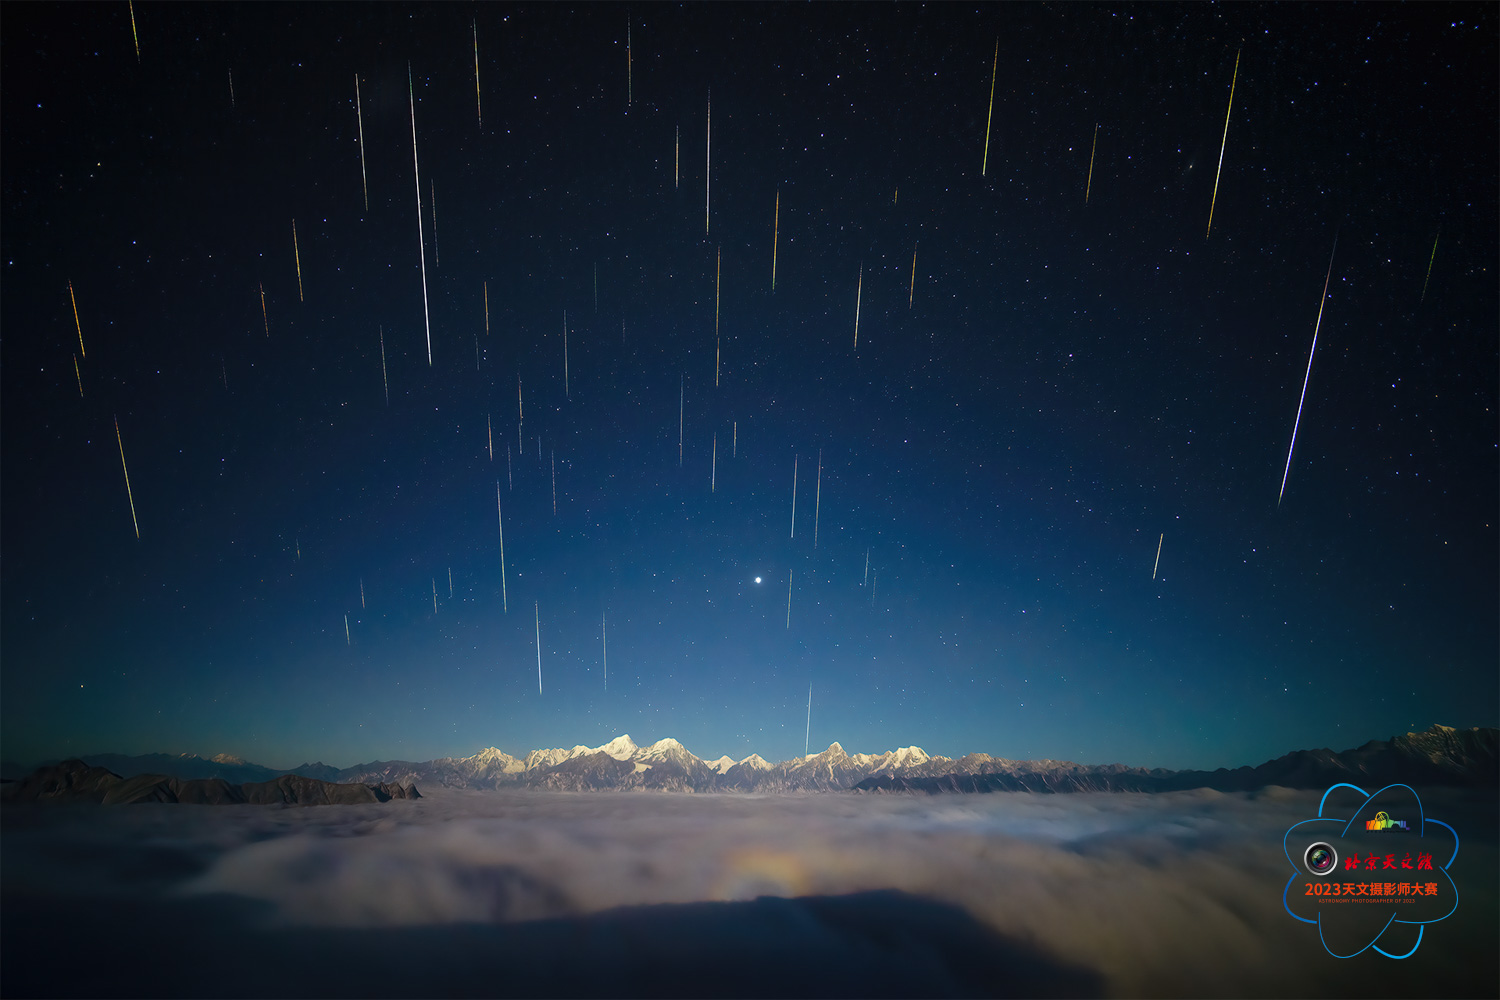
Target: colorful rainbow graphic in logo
(1382, 821)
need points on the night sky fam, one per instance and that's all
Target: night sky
(1075, 370)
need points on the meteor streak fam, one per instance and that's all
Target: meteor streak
(520, 416)
(677, 159)
(384, 378)
(1424, 280)
(486, 308)
(297, 255)
(1158, 554)
(990, 115)
(231, 88)
(359, 115)
(421, 240)
(681, 403)
(537, 608)
(911, 293)
(1224, 142)
(432, 187)
(478, 105)
(858, 294)
(554, 482)
(434, 595)
(361, 592)
(263, 318)
(604, 625)
(713, 473)
(1090, 184)
(126, 470)
(566, 390)
(79, 375)
(807, 739)
(79, 326)
(789, 574)
(134, 37)
(708, 158)
(718, 272)
(489, 433)
(794, 496)
(347, 640)
(629, 91)
(818, 498)
(500, 516)
(1303, 398)
(775, 237)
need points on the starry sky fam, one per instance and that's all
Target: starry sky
(1073, 373)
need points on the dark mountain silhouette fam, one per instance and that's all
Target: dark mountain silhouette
(75, 781)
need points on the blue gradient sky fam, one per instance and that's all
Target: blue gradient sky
(1060, 384)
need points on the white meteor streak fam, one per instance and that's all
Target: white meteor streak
(359, 115)
(818, 501)
(794, 496)
(1307, 377)
(1158, 554)
(807, 739)
(421, 240)
(604, 625)
(500, 516)
(1222, 144)
(537, 608)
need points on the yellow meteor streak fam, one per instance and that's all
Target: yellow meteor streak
(478, 107)
(1090, 185)
(263, 317)
(126, 470)
(990, 116)
(79, 375)
(1158, 554)
(359, 115)
(1424, 280)
(775, 237)
(1303, 398)
(858, 294)
(911, 293)
(1224, 142)
(297, 254)
(718, 271)
(500, 516)
(86, 353)
(137, 39)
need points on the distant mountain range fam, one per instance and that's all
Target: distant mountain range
(1437, 756)
(75, 781)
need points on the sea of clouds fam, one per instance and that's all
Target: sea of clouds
(529, 893)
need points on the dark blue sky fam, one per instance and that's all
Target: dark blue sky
(1059, 385)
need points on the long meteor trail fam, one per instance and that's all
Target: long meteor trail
(1306, 378)
(421, 240)
(1222, 143)
(537, 608)
(123, 468)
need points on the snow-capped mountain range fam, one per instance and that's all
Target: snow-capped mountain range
(1440, 755)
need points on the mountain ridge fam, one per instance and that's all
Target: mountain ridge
(1438, 755)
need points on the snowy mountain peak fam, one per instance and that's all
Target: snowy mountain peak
(226, 758)
(721, 765)
(757, 762)
(620, 748)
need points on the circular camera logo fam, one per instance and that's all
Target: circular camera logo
(1320, 859)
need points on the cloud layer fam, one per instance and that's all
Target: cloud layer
(1172, 894)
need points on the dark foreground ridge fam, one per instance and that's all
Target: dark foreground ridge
(75, 781)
